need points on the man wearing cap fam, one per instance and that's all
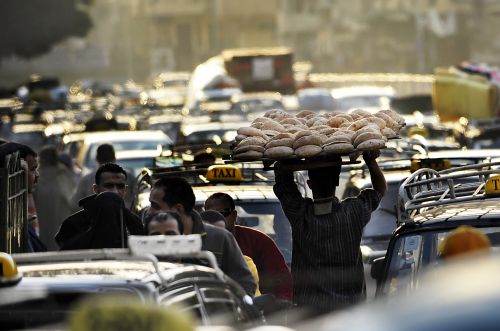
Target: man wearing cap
(327, 266)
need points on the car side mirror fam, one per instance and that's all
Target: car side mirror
(377, 270)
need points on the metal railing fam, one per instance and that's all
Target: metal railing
(13, 205)
(427, 188)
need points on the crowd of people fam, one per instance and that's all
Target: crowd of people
(326, 272)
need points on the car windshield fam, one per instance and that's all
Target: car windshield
(137, 164)
(413, 253)
(127, 145)
(368, 101)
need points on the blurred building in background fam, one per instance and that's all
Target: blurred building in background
(138, 38)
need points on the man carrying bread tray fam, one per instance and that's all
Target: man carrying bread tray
(327, 267)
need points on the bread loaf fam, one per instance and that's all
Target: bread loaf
(270, 133)
(308, 151)
(286, 142)
(240, 137)
(376, 120)
(371, 144)
(367, 136)
(303, 133)
(389, 122)
(245, 148)
(313, 139)
(259, 141)
(337, 139)
(355, 126)
(360, 113)
(395, 116)
(389, 133)
(369, 128)
(338, 148)
(251, 132)
(248, 156)
(304, 113)
(336, 122)
(278, 152)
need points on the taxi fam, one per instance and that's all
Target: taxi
(431, 204)
(39, 289)
(251, 188)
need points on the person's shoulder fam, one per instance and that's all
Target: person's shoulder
(76, 218)
(247, 231)
(215, 231)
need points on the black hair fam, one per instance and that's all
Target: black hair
(105, 154)
(224, 197)
(164, 216)
(13, 147)
(212, 216)
(49, 156)
(176, 190)
(109, 167)
(324, 180)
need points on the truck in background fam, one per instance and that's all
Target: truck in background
(261, 69)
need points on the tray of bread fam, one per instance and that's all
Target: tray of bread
(279, 135)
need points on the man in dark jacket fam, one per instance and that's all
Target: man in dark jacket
(103, 215)
(176, 195)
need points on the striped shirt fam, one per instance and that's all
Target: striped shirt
(327, 264)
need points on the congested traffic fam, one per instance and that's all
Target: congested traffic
(250, 190)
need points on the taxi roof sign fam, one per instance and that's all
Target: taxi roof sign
(435, 164)
(9, 275)
(165, 245)
(492, 186)
(224, 173)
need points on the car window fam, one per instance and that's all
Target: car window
(269, 218)
(404, 266)
(414, 252)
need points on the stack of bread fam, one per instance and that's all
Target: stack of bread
(279, 135)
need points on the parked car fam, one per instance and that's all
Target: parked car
(50, 285)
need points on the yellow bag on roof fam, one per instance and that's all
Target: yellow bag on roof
(457, 94)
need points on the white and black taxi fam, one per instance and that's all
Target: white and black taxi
(249, 185)
(45, 289)
(430, 205)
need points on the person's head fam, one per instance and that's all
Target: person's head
(164, 223)
(172, 194)
(464, 240)
(110, 177)
(29, 160)
(65, 159)
(213, 217)
(105, 154)
(224, 204)
(49, 156)
(204, 159)
(322, 181)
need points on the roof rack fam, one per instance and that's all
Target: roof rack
(195, 174)
(114, 254)
(428, 188)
